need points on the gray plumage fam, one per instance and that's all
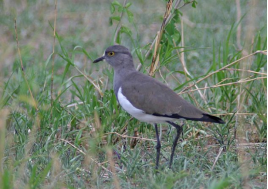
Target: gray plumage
(148, 94)
(148, 99)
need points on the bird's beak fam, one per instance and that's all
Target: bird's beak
(99, 59)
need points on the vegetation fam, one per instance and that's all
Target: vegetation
(60, 124)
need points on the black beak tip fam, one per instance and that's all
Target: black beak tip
(98, 59)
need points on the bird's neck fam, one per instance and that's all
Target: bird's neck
(121, 74)
(122, 68)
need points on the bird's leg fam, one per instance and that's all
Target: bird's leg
(158, 146)
(179, 131)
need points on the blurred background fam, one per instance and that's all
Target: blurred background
(87, 24)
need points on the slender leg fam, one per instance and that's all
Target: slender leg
(179, 131)
(158, 146)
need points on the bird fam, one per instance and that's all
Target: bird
(148, 99)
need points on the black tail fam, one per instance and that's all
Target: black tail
(213, 119)
(205, 118)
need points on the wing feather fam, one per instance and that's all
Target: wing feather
(153, 97)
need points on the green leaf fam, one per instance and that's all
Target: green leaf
(177, 15)
(118, 38)
(130, 16)
(170, 28)
(112, 8)
(177, 38)
(116, 3)
(128, 5)
(221, 184)
(83, 50)
(125, 30)
(7, 179)
(78, 138)
(194, 4)
(69, 63)
(43, 174)
(65, 71)
(48, 59)
(61, 46)
(117, 18)
(66, 59)
(120, 9)
(33, 175)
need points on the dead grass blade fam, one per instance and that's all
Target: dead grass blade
(216, 159)
(223, 68)
(186, 72)
(225, 84)
(91, 81)
(243, 70)
(158, 39)
(126, 136)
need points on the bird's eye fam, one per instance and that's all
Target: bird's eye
(111, 53)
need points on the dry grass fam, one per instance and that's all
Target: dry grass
(54, 129)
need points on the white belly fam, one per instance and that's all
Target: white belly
(137, 113)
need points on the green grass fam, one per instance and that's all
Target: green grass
(68, 146)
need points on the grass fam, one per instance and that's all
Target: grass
(64, 143)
